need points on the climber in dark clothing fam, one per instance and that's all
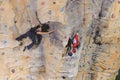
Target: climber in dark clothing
(31, 34)
(35, 34)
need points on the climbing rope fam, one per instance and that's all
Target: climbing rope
(84, 13)
(38, 19)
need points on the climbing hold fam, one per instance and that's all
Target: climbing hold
(1, 9)
(96, 68)
(101, 77)
(65, 37)
(21, 68)
(93, 16)
(118, 2)
(28, 5)
(28, 20)
(62, 9)
(3, 53)
(51, 53)
(54, 2)
(71, 10)
(27, 57)
(105, 26)
(15, 21)
(63, 77)
(49, 12)
(83, 19)
(42, 3)
(112, 16)
(13, 70)
(55, 58)
(4, 41)
(5, 26)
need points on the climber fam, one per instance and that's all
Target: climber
(73, 45)
(35, 34)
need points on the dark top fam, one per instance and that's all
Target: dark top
(38, 37)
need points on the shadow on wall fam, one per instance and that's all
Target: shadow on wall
(57, 37)
(118, 76)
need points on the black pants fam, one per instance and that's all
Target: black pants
(32, 36)
(38, 39)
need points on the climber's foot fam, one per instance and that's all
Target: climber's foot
(63, 77)
(24, 48)
(70, 54)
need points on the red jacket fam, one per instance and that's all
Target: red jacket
(75, 43)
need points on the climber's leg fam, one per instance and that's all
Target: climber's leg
(30, 45)
(22, 36)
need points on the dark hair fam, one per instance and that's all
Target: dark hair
(45, 27)
(38, 26)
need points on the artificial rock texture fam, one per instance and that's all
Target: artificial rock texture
(96, 21)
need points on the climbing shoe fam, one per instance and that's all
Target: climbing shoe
(70, 54)
(24, 48)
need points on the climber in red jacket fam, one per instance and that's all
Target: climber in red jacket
(73, 45)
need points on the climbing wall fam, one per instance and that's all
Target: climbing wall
(17, 17)
(96, 21)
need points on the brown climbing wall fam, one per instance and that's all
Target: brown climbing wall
(96, 21)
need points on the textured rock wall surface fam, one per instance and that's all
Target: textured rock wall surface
(96, 21)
